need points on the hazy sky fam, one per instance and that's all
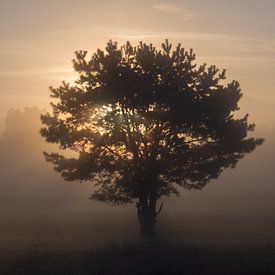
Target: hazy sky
(38, 39)
(37, 43)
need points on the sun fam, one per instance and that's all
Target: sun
(71, 79)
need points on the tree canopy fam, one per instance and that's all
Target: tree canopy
(143, 121)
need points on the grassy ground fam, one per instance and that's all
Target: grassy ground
(148, 257)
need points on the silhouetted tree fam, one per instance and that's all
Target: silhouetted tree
(143, 121)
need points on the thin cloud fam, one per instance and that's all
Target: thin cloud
(169, 8)
(37, 71)
(139, 34)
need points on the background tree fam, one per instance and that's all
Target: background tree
(143, 121)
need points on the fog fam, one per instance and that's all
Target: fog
(38, 208)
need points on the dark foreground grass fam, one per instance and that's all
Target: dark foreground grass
(153, 257)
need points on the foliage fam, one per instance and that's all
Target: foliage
(144, 121)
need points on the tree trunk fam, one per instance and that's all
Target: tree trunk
(147, 213)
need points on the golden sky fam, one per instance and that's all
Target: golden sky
(38, 39)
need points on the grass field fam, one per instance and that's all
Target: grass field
(145, 257)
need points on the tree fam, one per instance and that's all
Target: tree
(144, 121)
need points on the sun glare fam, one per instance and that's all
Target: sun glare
(71, 79)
